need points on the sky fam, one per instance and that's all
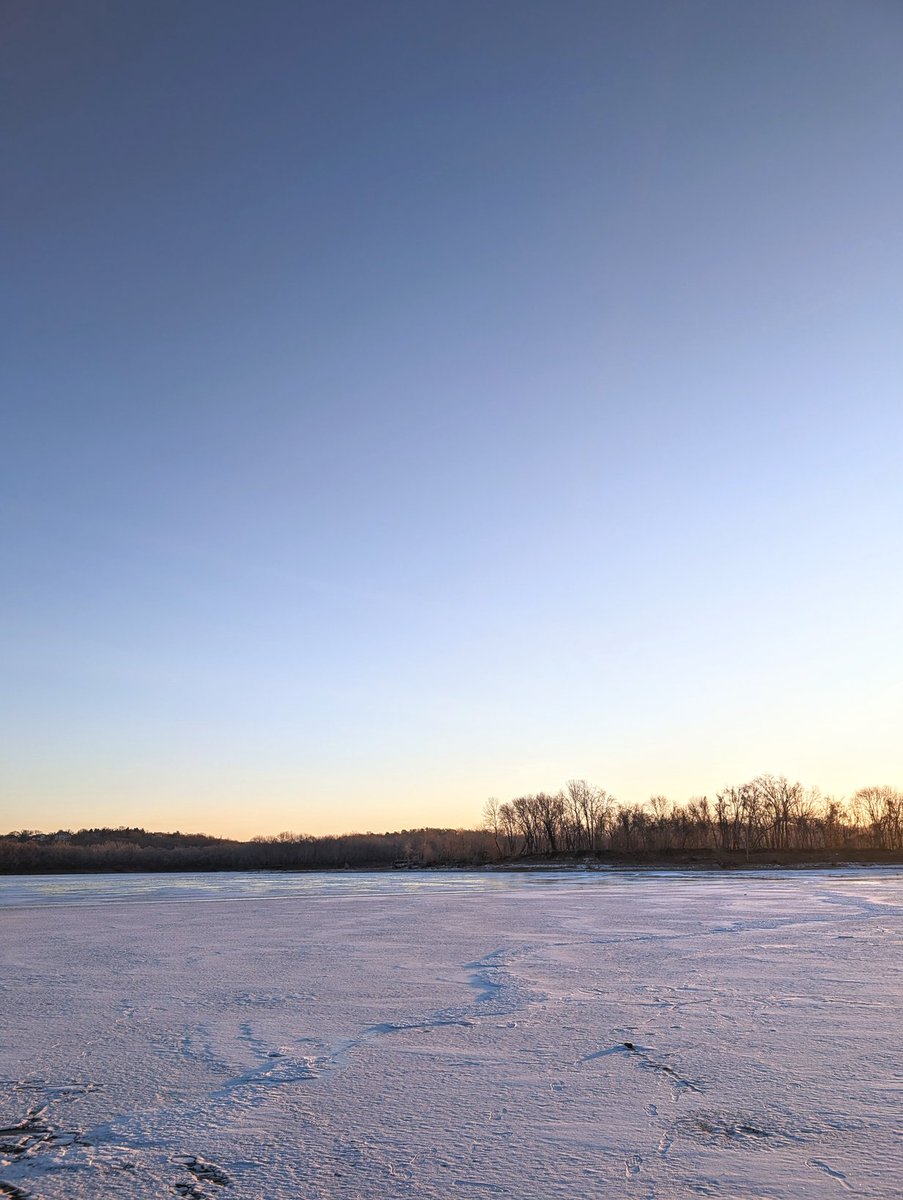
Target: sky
(403, 404)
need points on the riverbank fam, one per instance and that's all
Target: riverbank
(690, 860)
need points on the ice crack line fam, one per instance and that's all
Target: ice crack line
(496, 994)
(644, 1058)
(821, 1165)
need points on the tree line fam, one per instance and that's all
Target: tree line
(33, 852)
(768, 816)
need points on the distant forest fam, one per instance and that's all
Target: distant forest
(766, 820)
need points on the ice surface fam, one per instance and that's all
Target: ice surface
(452, 1035)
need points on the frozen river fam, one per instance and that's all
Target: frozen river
(452, 1035)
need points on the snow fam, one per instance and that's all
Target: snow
(455, 1034)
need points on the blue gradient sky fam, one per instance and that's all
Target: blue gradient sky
(408, 403)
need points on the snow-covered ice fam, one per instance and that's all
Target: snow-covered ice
(452, 1035)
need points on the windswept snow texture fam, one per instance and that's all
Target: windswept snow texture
(467, 1035)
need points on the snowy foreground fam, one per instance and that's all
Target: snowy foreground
(453, 1036)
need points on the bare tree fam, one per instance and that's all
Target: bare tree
(492, 821)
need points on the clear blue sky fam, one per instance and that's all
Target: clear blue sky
(408, 403)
